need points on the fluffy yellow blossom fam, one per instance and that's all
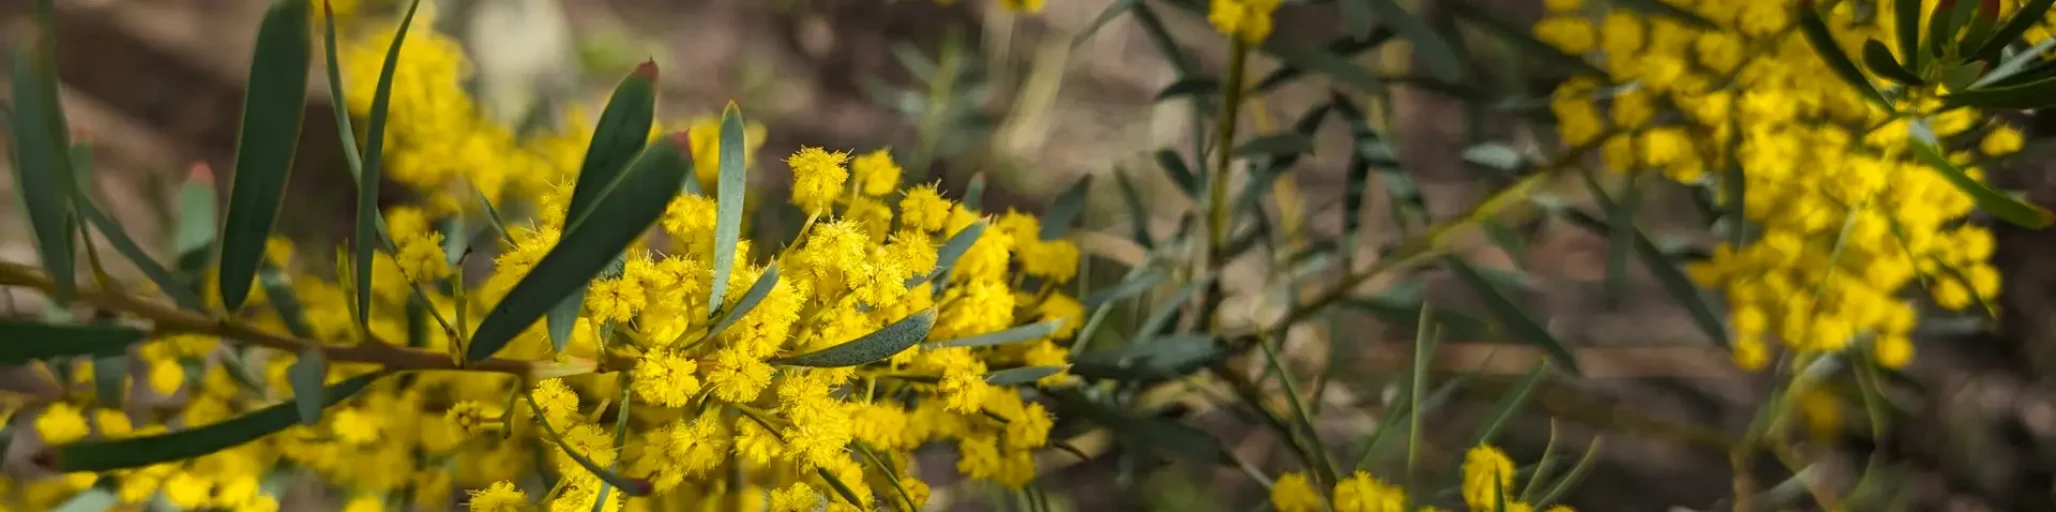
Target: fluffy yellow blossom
(1294, 493)
(62, 423)
(1362, 492)
(500, 497)
(817, 178)
(1245, 20)
(1487, 472)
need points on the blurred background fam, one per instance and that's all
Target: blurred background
(1032, 102)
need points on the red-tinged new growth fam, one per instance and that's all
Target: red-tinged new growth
(647, 70)
(200, 173)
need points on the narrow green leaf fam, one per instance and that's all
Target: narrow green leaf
(42, 161)
(1372, 154)
(946, 257)
(1126, 289)
(135, 452)
(1509, 405)
(1346, 45)
(1167, 356)
(1138, 215)
(110, 379)
(1906, 24)
(1622, 217)
(1992, 201)
(841, 489)
(974, 193)
(278, 289)
(371, 232)
(2036, 94)
(1114, 9)
(2013, 65)
(1021, 376)
(458, 241)
(273, 107)
(32, 341)
(563, 318)
(622, 132)
(1181, 175)
(1880, 61)
(1356, 14)
(194, 235)
(306, 375)
(98, 498)
(728, 201)
(1161, 316)
(629, 486)
(1202, 86)
(1510, 314)
(1056, 222)
(2022, 20)
(878, 345)
(1521, 39)
(1321, 61)
(622, 211)
(1823, 42)
(1441, 58)
(1276, 144)
(1162, 436)
(345, 135)
(118, 237)
(1577, 473)
(492, 216)
(1153, 26)
(1960, 77)
(1034, 331)
(733, 313)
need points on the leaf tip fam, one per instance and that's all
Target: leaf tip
(647, 70)
(200, 173)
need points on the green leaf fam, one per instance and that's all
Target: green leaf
(1021, 376)
(622, 132)
(1960, 77)
(1992, 201)
(110, 379)
(2022, 20)
(118, 237)
(1056, 222)
(1321, 61)
(100, 497)
(1511, 316)
(1823, 42)
(974, 193)
(1161, 316)
(1356, 14)
(194, 235)
(1034, 331)
(1276, 144)
(733, 313)
(2036, 94)
(1346, 45)
(953, 249)
(1166, 356)
(630, 486)
(492, 216)
(1181, 175)
(1126, 289)
(1153, 26)
(1138, 215)
(622, 211)
(2013, 65)
(306, 375)
(1909, 33)
(876, 346)
(1165, 437)
(1622, 217)
(1371, 154)
(1521, 39)
(1114, 9)
(563, 318)
(1190, 86)
(1880, 61)
(729, 199)
(1509, 404)
(135, 452)
(278, 289)
(273, 108)
(371, 233)
(42, 162)
(841, 489)
(345, 135)
(1441, 58)
(32, 341)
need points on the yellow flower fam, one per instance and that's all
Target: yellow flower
(798, 497)
(877, 174)
(817, 178)
(924, 209)
(666, 379)
(500, 497)
(1293, 493)
(167, 376)
(61, 423)
(421, 257)
(1362, 492)
(1487, 473)
(1023, 6)
(1245, 20)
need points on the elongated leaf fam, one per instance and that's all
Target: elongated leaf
(733, 313)
(1128, 288)
(841, 489)
(562, 319)
(371, 233)
(345, 135)
(1320, 61)
(1114, 9)
(186, 444)
(1153, 26)
(953, 249)
(1511, 316)
(623, 210)
(1906, 25)
(42, 161)
(1880, 61)
(1278, 144)
(1056, 222)
(1021, 376)
(1441, 58)
(1138, 215)
(1522, 40)
(622, 132)
(1992, 201)
(1621, 240)
(729, 198)
(1191, 86)
(2022, 20)
(1823, 42)
(878, 345)
(118, 237)
(2014, 64)
(1348, 46)
(273, 107)
(1181, 175)
(1166, 356)
(2036, 94)
(110, 379)
(1162, 436)
(1509, 405)
(1356, 15)
(98, 498)
(629, 486)
(492, 217)
(974, 193)
(194, 235)
(1028, 332)
(278, 289)
(306, 376)
(31, 341)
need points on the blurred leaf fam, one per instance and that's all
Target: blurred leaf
(841, 489)
(1164, 437)
(1181, 175)
(371, 232)
(911, 58)
(1190, 86)
(1317, 60)
(1497, 156)
(1161, 316)
(974, 193)
(1406, 312)
(1161, 357)
(42, 161)
(110, 379)
(880, 344)
(195, 234)
(278, 290)
(1034, 331)
(1153, 27)
(1114, 9)
(101, 496)
(730, 314)
(1127, 288)
(1991, 201)
(118, 237)
(1276, 144)
(1943, 25)
(306, 375)
(1823, 42)
(1346, 46)
(32, 341)
(1511, 315)
(1881, 62)
(1577, 473)
(1622, 217)
(729, 203)
(625, 208)
(1522, 40)
(1056, 222)
(273, 107)
(1442, 60)
(2013, 65)
(1021, 376)
(2036, 94)
(1356, 14)
(1908, 34)
(1372, 154)
(2029, 14)
(629, 486)
(1509, 405)
(1663, 265)
(135, 452)
(1138, 215)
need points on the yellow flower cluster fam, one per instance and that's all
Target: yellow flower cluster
(1848, 218)
(1245, 20)
(695, 420)
(1488, 481)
